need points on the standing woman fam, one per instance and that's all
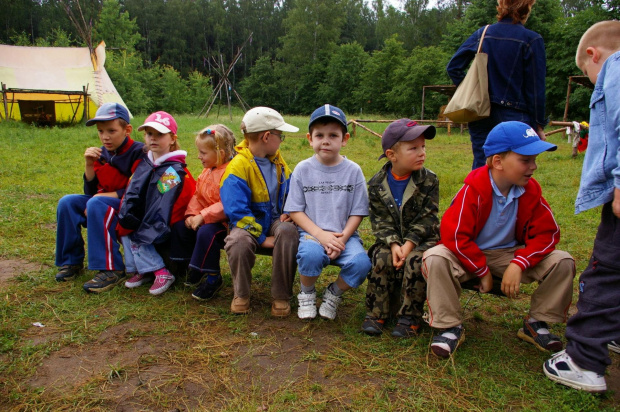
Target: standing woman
(516, 68)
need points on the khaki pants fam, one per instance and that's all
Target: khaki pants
(444, 275)
(241, 250)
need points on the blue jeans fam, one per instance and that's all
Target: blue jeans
(479, 130)
(353, 262)
(141, 258)
(103, 248)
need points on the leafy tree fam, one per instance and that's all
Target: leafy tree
(417, 71)
(199, 90)
(561, 49)
(378, 77)
(344, 74)
(116, 28)
(313, 29)
(131, 80)
(262, 86)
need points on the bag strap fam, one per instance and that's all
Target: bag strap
(482, 38)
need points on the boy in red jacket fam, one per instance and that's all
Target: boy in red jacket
(500, 225)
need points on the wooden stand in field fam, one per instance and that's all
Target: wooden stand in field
(437, 123)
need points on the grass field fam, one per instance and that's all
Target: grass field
(126, 350)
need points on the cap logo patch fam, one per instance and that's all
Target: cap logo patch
(411, 124)
(530, 133)
(163, 120)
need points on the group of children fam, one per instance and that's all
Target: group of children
(498, 228)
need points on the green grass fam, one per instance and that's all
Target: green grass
(173, 352)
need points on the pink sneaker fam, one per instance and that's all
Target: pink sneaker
(163, 280)
(138, 280)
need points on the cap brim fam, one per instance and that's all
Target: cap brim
(535, 148)
(94, 120)
(428, 132)
(157, 126)
(287, 128)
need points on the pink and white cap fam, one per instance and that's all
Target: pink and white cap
(162, 122)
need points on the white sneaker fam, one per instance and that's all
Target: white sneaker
(561, 368)
(614, 346)
(307, 305)
(329, 306)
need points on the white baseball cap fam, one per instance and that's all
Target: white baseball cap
(260, 119)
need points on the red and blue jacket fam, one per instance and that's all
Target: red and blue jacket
(535, 227)
(114, 168)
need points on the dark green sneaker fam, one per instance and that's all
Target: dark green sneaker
(104, 280)
(68, 272)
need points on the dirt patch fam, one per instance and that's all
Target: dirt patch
(108, 357)
(15, 267)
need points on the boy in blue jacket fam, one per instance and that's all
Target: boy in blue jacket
(597, 322)
(253, 190)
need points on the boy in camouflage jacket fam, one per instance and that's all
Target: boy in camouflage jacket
(404, 201)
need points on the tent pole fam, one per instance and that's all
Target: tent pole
(6, 109)
(85, 114)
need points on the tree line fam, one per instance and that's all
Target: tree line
(363, 57)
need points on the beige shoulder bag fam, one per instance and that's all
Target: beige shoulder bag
(471, 99)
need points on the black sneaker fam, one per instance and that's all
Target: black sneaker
(372, 326)
(447, 341)
(194, 278)
(406, 327)
(104, 280)
(207, 290)
(68, 272)
(543, 341)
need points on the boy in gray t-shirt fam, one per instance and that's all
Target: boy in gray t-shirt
(327, 200)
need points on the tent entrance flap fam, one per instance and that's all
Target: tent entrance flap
(39, 112)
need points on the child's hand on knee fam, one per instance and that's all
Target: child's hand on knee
(511, 280)
(486, 283)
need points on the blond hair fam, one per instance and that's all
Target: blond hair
(604, 35)
(218, 137)
(502, 155)
(517, 10)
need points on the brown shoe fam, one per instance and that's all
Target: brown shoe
(240, 306)
(280, 308)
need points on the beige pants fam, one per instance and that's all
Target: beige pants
(444, 275)
(241, 248)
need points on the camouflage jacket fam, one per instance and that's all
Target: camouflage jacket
(417, 220)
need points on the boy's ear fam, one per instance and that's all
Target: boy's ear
(389, 153)
(496, 161)
(309, 137)
(345, 139)
(594, 53)
(128, 129)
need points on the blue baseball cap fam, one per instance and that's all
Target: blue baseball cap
(328, 111)
(109, 111)
(516, 137)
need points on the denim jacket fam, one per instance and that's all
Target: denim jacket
(517, 66)
(601, 166)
